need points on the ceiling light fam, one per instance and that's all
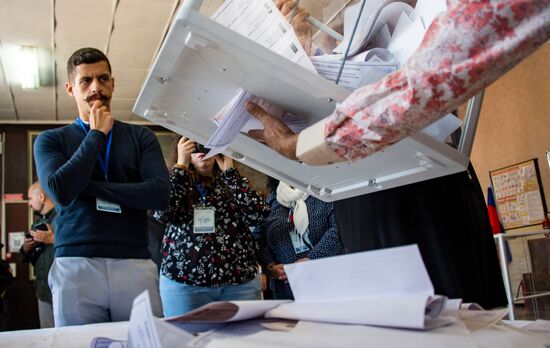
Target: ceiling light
(28, 67)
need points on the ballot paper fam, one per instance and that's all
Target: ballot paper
(376, 15)
(406, 38)
(355, 74)
(147, 331)
(260, 21)
(427, 10)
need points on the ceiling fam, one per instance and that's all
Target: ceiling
(128, 31)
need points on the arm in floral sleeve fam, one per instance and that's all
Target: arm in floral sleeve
(180, 189)
(330, 244)
(253, 207)
(465, 49)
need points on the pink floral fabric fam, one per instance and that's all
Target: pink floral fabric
(464, 50)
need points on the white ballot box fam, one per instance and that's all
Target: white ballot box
(202, 66)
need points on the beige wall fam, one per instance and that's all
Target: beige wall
(514, 125)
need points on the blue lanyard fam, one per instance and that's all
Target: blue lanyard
(202, 192)
(104, 164)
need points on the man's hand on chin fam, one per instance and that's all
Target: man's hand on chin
(101, 118)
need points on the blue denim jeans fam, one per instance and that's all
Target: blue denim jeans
(179, 298)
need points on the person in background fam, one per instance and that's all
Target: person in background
(299, 228)
(209, 253)
(446, 216)
(38, 249)
(103, 175)
(6, 279)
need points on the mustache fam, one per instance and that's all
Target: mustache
(97, 96)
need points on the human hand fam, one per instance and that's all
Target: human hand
(186, 147)
(303, 259)
(302, 28)
(101, 118)
(29, 244)
(275, 134)
(224, 162)
(277, 271)
(46, 237)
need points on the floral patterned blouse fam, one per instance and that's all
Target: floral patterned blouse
(465, 49)
(226, 257)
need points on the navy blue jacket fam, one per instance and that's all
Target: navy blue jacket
(69, 171)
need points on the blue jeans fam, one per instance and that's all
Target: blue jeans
(179, 298)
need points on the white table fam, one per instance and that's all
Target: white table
(536, 335)
(65, 337)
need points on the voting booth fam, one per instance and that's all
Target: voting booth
(201, 67)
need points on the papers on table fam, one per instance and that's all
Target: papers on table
(385, 289)
(388, 287)
(391, 271)
(314, 335)
(221, 312)
(147, 331)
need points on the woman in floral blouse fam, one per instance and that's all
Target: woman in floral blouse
(208, 253)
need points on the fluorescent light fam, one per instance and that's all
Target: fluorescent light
(28, 67)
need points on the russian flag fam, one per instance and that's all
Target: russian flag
(494, 219)
(496, 227)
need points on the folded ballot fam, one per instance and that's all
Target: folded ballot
(387, 287)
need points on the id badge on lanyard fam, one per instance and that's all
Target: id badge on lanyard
(298, 242)
(100, 204)
(204, 218)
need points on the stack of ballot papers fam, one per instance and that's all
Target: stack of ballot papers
(388, 287)
(391, 25)
(388, 33)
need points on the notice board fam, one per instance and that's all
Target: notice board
(518, 194)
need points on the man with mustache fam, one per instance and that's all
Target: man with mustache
(103, 175)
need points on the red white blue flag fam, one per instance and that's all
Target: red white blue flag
(494, 219)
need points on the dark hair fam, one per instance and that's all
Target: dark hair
(272, 184)
(86, 55)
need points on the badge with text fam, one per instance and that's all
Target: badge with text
(106, 206)
(300, 243)
(204, 220)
